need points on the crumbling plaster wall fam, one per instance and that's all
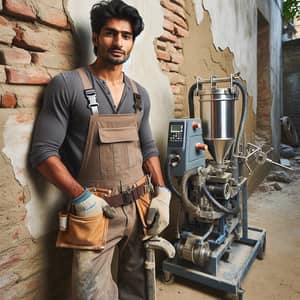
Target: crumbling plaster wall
(223, 39)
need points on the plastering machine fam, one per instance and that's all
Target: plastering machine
(214, 244)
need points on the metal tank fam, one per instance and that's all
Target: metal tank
(217, 112)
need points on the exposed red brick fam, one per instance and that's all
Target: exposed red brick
(180, 31)
(3, 21)
(13, 56)
(179, 107)
(20, 8)
(27, 75)
(2, 74)
(174, 8)
(27, 95)
(179, 99)
(44, 39)
(178, 44)
(168, 25)
(53, 60)
(164, 66)
(51, 15)
(167, 36)
(179, 2)
(177, 58)
(8, 101)
(173, 67)
(176, 78)
(11, 294)
(12, 257)
(8, 279)
(163, 55)
(7, 34)
(30, 39)
(161, 45)
(176, 89)
(175, 18)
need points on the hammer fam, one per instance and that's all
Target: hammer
(155, 243)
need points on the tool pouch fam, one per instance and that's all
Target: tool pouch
(88, 233)
(143, 204)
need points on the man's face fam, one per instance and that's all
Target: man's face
(114, 42)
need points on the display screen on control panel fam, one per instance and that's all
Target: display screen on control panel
(176, 128)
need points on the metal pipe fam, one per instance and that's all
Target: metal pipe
(243, 116)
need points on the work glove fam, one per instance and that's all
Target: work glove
(88, 204)
(158, 212)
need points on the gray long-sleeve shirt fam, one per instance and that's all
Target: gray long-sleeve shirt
(62, 124)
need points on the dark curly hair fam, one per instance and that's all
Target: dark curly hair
(102, 11)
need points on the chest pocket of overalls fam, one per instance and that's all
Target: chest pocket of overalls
(119, 150)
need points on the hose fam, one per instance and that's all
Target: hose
(206, 235)
(217, 204)
(168, 177)
(188, 205)
(191, 98)
(193, 209)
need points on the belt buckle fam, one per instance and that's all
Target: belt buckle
(127, 196)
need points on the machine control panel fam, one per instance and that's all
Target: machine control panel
(176, 134)
(185, 145)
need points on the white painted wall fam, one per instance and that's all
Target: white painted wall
(233, 25)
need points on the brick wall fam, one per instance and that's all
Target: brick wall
(169, 49)
(35, 44)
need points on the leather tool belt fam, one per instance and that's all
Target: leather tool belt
(126, 197)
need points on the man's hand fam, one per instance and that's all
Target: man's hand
(158, 213)
(87, 204)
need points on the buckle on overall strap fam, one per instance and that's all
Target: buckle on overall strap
(90, 94)
(137, 101)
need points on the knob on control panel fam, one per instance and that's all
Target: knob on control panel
(201, 147)
(196, 125)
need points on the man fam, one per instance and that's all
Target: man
(99, 137)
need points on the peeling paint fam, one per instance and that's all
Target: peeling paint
(239, 19)
(44, 198)
(198, 10)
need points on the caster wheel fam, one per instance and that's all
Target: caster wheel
(167, 278)
(240, 295)
(226, 256)
(262, 251)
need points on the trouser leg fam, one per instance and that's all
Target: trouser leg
(91, 270)
(131, 272)
(91, 276)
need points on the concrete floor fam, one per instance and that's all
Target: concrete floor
(277, 277)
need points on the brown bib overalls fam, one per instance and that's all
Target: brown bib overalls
(112, 160)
